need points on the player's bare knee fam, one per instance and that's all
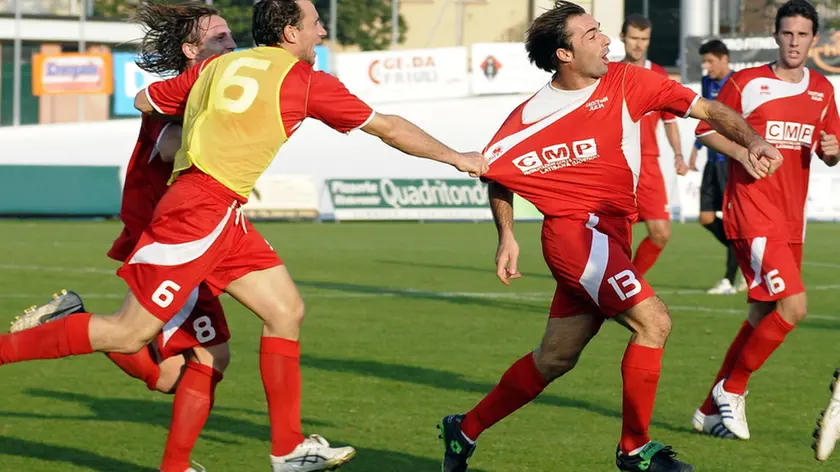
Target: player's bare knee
(661, 235)
(553, 364)
(793, 309)
(297, 312)
(651, 323)
(290, 315)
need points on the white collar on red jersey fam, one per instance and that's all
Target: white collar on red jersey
(551, 99)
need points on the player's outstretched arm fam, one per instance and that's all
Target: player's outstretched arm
(761, 158)
(672, 132)
(507, 254)
(401, 134)
(142, 103)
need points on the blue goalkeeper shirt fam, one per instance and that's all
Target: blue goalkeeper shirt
(710, 88)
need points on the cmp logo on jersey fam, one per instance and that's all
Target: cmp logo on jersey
(557, 156)
(789, 134)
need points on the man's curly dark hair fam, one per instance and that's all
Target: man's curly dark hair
(167, 27)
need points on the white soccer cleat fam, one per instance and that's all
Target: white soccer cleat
(723, 287)
(313, 454)
(733, 411)
(828, 425)
(711, 425)
(63, 304)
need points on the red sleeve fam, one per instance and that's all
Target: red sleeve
(830, 122)
(330, 102)
(169, 97)
(646, 91)
(730, 95)
(665, 116)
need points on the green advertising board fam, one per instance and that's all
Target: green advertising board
(414, 199)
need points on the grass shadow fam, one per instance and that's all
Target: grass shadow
(517, 305)
(447, 380)
(10, 446)
(148, 412)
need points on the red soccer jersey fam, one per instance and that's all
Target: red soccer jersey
(789, 116)
(579, 151)
(145, 184)
(304, 93)
(650, 146)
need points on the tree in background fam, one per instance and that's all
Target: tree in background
(366, 23)
(758, 16)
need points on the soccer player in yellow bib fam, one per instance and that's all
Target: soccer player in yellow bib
(238, 111)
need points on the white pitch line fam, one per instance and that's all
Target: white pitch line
(526, 296)
(741, 312)
(39, 296)
(74, 270)
(822, 264)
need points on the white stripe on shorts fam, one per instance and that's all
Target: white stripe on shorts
(596, 266)
(757, 249)
(161, 254)
(170, 327)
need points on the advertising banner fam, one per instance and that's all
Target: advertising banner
(504, 68)
(500, 68)
(409, 199)
(751, 51)
(56, 74)
(391, 76)
(417, 199)
(128, 80)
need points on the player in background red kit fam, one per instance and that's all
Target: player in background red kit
(794, 108)
(651, 192)
(573, 151)
(239, 109)
(189, 356)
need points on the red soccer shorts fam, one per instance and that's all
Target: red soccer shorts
(589, 257)
(772, 267)
(199, 323)
(651, 192)
(197, 234)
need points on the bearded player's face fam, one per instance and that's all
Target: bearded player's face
(591, 46)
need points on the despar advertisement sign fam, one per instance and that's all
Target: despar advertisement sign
(71, 73)
(752, 51)
(419, 74)
(409, 199)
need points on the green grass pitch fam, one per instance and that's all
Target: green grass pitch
(407, 323)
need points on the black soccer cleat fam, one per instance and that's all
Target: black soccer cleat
(456, 447)
(63, 304)
(654, 457)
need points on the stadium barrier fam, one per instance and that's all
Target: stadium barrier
(286, 197)
(59, 190)
(323, 154)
